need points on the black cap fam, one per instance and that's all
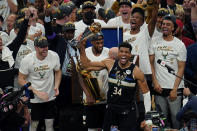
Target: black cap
(88, 4)
(70, 3)
(62, 11)
(171, 18)
(97, 36)
(127, 2)
(68, 26)
(109, 14)
(106, 14)
(163, 12)
(41, 42)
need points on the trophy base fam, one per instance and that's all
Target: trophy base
(98, 101)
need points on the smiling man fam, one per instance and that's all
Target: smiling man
(125, 13)
(95, 113)
(42, 69)
(122, 79)
(171, 50)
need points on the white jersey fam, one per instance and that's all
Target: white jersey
(80, 26)
(170, 52)
(140, 43)
(117, 22)
(23, 51)
(5, 10)
(41, 73)
(102, 75)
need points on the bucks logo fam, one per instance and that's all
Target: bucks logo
(42, 74)
(120, 76)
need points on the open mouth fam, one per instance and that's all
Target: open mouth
(44, 52)
(123, 60)
(124, 13)
(165, 30)
(133, 24)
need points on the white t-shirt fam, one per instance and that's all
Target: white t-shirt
(80, 26)
(41, 73)
(5, 10)
(170, 52)
(102, 75)
(140, 43)
(23, 51)
(117, 22)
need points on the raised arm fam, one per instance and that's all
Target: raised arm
(15, 45)
(153, 20)
(139, 76)
(13, 6)
(86, 63)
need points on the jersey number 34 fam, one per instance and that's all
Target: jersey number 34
(117, 91)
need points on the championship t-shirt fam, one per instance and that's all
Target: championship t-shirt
(170, 52)
(41, 73)
(140, 43)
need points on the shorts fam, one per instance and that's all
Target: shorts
(46, 110)
(125, 121)
(95, 115)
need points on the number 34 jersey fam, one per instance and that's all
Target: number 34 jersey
(122, 85)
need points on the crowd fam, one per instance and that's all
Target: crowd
(77, 87)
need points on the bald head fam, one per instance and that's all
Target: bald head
(113, 53)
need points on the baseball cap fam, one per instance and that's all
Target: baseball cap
(70, 3)
(109, 14)
(127, 2)
(88, 4)
(163, 12)
(171, 18)
(62, 11)
(68, 26)
(97, 36)
(41, 42)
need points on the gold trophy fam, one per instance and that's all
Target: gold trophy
(91, 31)
(91, 84)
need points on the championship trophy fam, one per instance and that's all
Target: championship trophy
(91, 84)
